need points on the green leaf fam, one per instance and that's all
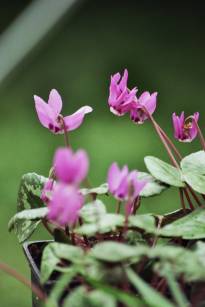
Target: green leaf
(52, 255)
(24, 229)
(111, 251)
(143, 221)
(153, 186)
(29, 193)
(30, 214)
(102, 189)
(196, 181)
(194, 163)
(126, 298)
(108, 222)
(80, 297)
(150, 296)
(164, 171)
(92, 212)
(190, 227)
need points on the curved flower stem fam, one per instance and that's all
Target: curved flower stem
(45, 224)
(188, 199)
(63, 126)
(160, 220)
(201, 137)
(194, 195)
(171, 156)
(10, 271)
(136, 204)
(170, 143)
(181, 194)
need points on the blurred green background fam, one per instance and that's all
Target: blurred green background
(163, 49)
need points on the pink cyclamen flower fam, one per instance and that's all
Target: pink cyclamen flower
(65, 205)
(50, 117)
(145, 101)
(124, 185)
(185, 130)
(47, 190)
(120, 97)
(70, 167)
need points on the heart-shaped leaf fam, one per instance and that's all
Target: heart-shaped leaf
(190, 227)
(102, 189)
(143, 221)
(153, 186)
(194, 163)
(92, 212)
(164, 171)
(52, 255)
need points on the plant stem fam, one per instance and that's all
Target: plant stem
(181, 194)
(45, 224)
(136, 204)
(188, 199)
(194, 195)
(172, 158)
(160, 220)
(201, 137)
(10, 271)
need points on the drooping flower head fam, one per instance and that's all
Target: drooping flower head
(120, 97)
(122, 184)
(147, 101)
(50, 117)
(65, 204)
(185, 130)
(70, 167)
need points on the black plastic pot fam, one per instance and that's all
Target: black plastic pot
(33, 251)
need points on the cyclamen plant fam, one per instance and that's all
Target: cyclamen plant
(98, 257)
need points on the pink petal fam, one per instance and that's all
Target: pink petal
(82, 163)
(75, 120)
(143, 98)
(44, 112)
(151, 103)
(123, 82)
(55, 101)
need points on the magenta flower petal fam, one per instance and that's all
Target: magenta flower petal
(45, 114)
(185, 130)
(117, 181)
(71, 167)
(65, 205)
(120, 97)
(73, 121)
(55, 101)
(47, 189)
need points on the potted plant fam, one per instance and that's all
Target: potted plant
(123, 258)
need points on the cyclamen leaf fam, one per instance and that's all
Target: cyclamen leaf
(102, 189)
(24, 229)
(92, 212)
(196, 181)
(32, 214)
(150, 296)
(29, 193)
(190, 227)
(80, 297)
(194, 163)
(111, 251)
(153, 186)
(143, 221)
(52, 255)
(164, 171)
(107, 222)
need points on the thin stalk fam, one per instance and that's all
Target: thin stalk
(10, 271)
(158, 227)
(136, 204)
(188, 199)
(63, 126)
(170, 143)
(201, 137)
(194, 195)
(45, 224)
(171, 156)
(181, 194)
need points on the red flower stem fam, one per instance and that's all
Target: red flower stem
(188, 199)
(172, 158)
(136, 204)
(181, 194)
(194, 195)
(170, 143)
(201, 137)
(118, 206)
(160, 220)
(10, 271)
